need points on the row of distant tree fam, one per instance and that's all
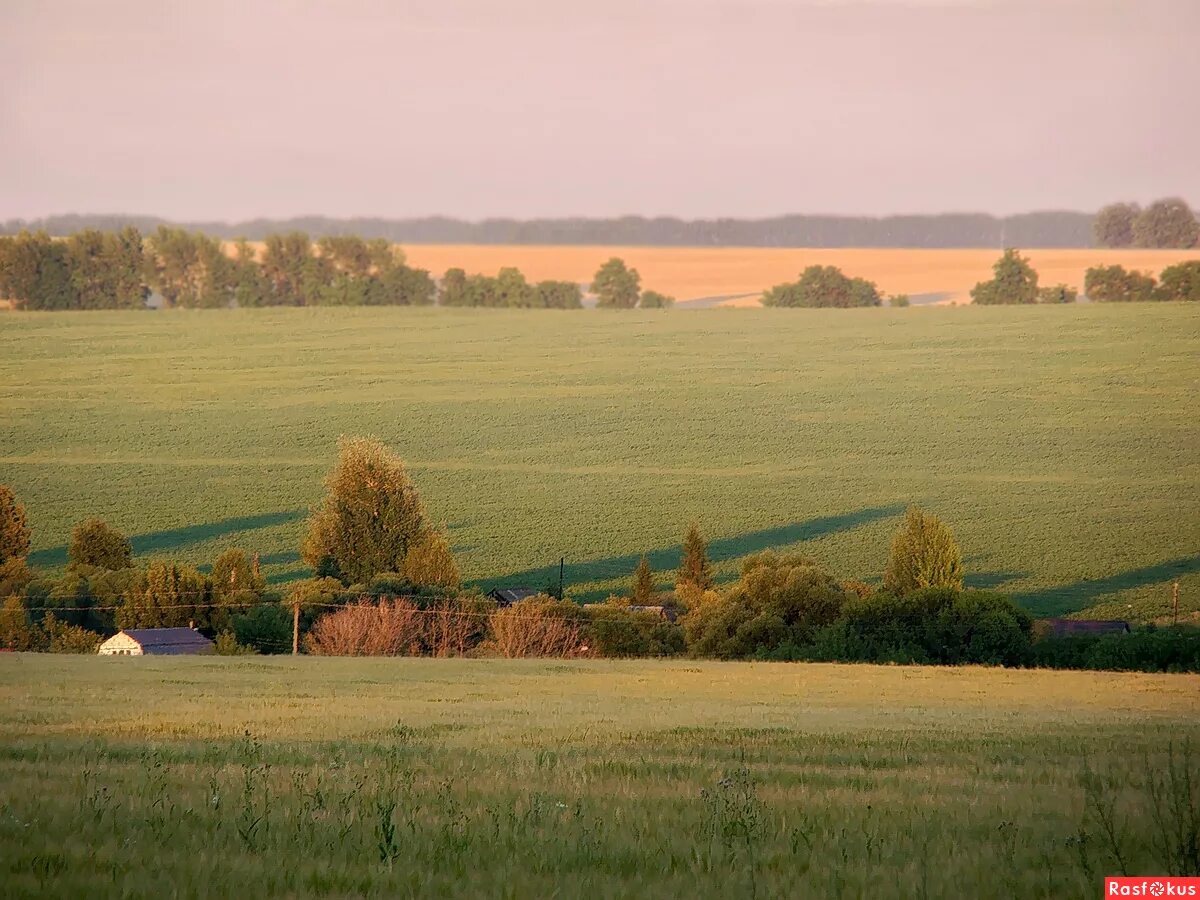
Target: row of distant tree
(1167, 223)
(94, 269)
(385, 582)
(1014, 280)
(1163, 224)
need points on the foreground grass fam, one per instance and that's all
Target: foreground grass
(1059, 442)
(412, 777)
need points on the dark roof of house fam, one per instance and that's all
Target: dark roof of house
(1064, 627)
(512, 595)
(169, 640)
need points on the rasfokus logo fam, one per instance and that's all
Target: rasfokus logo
(1147, 886)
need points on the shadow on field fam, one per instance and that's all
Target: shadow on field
(174, 538)
(989, 581)
(1072, 597)
(662, 558)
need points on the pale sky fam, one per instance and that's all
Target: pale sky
(231, 109)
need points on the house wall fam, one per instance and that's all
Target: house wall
(120, 645)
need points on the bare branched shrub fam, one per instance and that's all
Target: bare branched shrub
(534, 629)
(393, 628)
(451, 629)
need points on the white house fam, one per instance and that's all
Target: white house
(156, 642)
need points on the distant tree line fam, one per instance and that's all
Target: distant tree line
(1037, 229)
(385, 582)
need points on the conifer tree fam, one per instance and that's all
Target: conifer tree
(694, 569)
(643, 584)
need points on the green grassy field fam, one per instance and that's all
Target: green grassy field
(459, 778)
(1061, 443)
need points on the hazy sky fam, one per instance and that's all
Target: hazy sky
(475, 108)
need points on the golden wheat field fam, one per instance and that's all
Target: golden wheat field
(736, 276)
(690, 273)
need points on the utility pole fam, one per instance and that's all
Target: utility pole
(296, 629)
(1175, 603)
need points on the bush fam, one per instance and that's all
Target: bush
(934, 625)
(898, 300)
(655, 300)
(537, 626)
(779, 600)
(1180, 281)
(64, 638)
(391, 628)
(1115, 284)
(266, 628)
(1150, 649)
(823, 286)
(1060, 293)
(1013, 281)
(615, 630)
(227, 644)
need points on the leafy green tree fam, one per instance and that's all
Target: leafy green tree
(695, 572)
(1115, 284)
(14, 530)
(558, 295)
(1014, 281)
(248, 283)
(17, 631)
(267, 628)
(823, 286)
(512, 290)
(453, 289)
(371, 515)
(616, 631)
(1060, 293)
(167, 595)
(429, 561)
(94, 543)
(779, 602)
(237, 579)
(1166, 223)
(924, 554)
(189, 269)
(616, 286)
(1180, 281)
(655, 300)
(106, 269)
(34, 272)
(294, 276)
(644, 592)
(62, 637)
(1114, 224)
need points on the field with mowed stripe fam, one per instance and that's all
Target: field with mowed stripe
(1060, 443)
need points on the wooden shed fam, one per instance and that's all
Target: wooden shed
(156, 642)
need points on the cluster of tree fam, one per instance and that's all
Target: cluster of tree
(118, 270)
(825, 286)
(1164, 223)
(1038, 229)
(507, 289)
(617, 286)
(386, 583)
(1116, 284)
